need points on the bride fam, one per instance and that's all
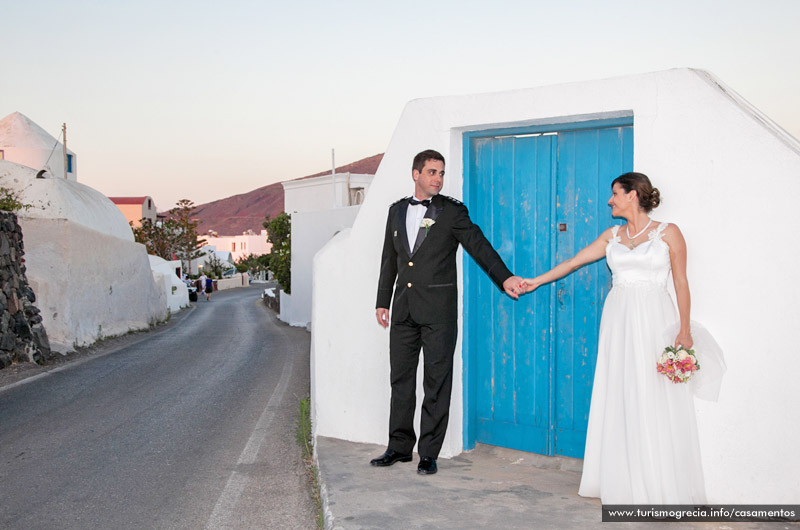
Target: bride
(641, 441)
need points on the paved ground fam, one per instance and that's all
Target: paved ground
(489, 487)
(191, 426)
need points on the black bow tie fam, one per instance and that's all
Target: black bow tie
(425, 202)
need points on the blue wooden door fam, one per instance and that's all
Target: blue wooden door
(540, 196)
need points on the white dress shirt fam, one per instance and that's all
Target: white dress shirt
(414, 216)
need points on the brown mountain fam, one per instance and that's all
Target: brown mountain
(237, 214)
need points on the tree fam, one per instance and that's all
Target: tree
(279, 232)
(216, 266)
(11, 201)
(188, 243)
(159, 238)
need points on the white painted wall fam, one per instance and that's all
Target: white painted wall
(310, 232)
(175, 291)
(88, 285)
(322, 193)
(723, 169)
(90, 278)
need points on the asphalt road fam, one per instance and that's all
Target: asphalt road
(192, 426)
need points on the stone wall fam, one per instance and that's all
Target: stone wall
(22, 335)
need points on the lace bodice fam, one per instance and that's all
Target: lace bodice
(647, 264)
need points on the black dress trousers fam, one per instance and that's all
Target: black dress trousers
(438, 342)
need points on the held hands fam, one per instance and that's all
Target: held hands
(529, 285)
(513, 287)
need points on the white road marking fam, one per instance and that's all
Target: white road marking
(225, 513)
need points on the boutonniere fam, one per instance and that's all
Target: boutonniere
(427, 223)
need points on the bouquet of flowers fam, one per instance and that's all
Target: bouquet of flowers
(678, 364)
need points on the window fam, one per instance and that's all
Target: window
(2, 155)
(233, 246)
(356, 196)
(149, 204)
(69, 163)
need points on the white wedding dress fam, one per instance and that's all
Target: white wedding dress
(641, 442)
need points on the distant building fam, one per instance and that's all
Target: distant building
(320, 208)
(240, 246)
(325, 192)
(25, 143)
(136, 208)
(203, 262)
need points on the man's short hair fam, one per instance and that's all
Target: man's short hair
(421, 158)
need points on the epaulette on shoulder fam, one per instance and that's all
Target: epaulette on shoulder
(455, 201)
(399, 201)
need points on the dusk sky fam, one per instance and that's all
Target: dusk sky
(204, 100)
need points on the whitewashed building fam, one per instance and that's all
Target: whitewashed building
(24, 142)
(242, 245)
(90, 278)
(320, 208)
(533, 166)
(207, 253)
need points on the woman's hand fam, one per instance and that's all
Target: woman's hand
(529, 285)
(684, 339)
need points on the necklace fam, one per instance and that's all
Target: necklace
(630, 239)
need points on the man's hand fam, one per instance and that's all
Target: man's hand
(382, 314)
(513, 287)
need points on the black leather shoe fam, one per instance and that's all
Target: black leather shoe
(427, 466)
(389, 457)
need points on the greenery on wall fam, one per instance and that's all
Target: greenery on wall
(279, 232)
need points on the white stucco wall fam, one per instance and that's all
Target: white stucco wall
(175, 291)
(719, 164)
(310, 232)
(88, 285)
(322, 193)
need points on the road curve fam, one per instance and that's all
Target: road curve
(192, 427)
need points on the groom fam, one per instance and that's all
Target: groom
(419, 252)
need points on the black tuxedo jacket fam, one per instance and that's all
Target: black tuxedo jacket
(426, 285)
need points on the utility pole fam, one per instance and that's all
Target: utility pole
(333, 175)
(64, 135)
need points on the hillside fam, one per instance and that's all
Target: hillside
(233, 215)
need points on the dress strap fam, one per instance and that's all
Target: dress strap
(658, 233)
(614, 237)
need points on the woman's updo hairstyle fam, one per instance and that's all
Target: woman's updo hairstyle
(649, 197)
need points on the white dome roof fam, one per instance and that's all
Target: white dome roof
(17, 130)
(57, 198)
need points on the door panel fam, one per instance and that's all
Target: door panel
(529, 364)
